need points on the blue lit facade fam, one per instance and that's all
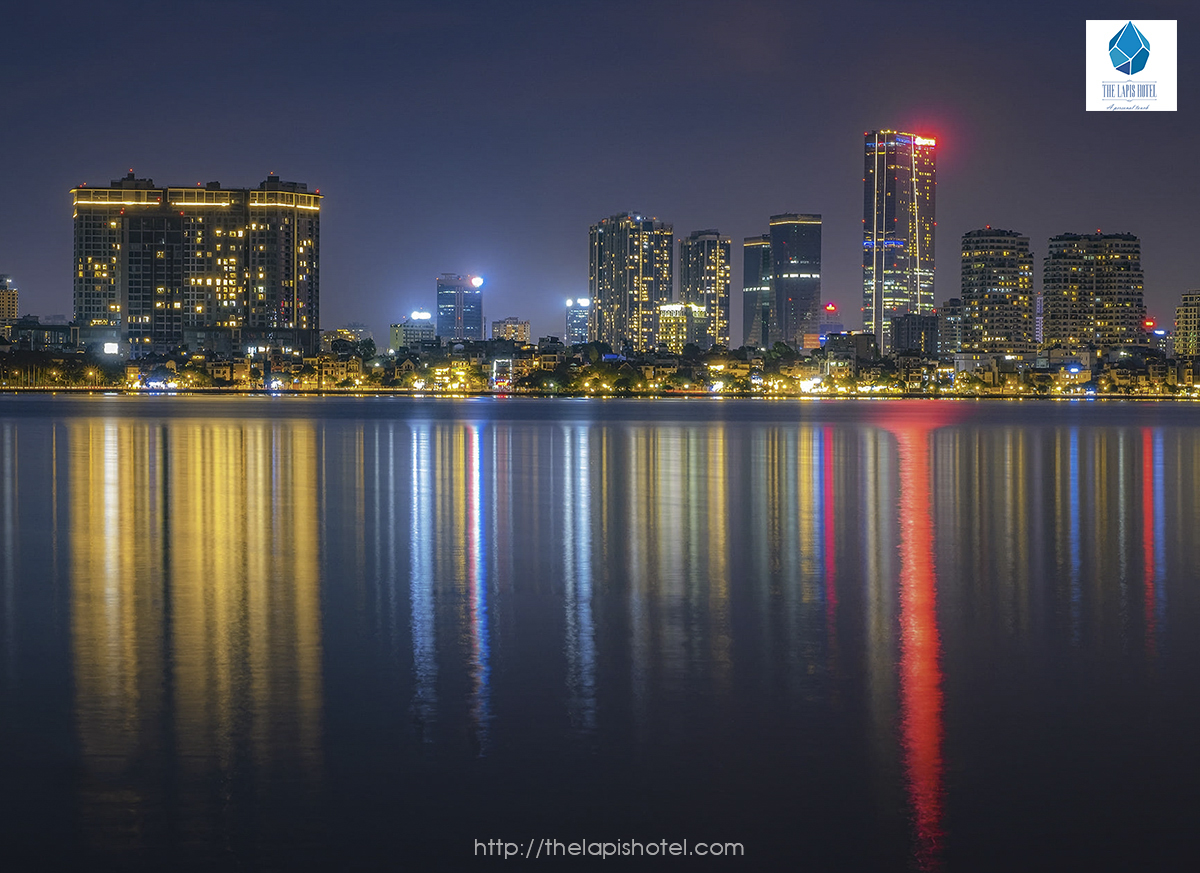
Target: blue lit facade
(459, 308)
(578, 311)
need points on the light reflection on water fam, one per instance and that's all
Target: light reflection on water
(277, 636)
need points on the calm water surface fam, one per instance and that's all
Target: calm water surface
(283, 634)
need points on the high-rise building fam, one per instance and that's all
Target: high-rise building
(950, 326)
(756, 291)
(899, 184)
(153, 262)
(8, 299)
(796, 279)
(412, 333)
(1187, 325)
(831, 320)
(460, 307)
(704, 277)
(511, 328)
(914, 332)
(629, 277)
(997, 292)
(1092, 291)
(681, 324)
(579, 310)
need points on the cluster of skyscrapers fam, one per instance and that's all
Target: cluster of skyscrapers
(157, 268)
(1092, 292)
(630, 266)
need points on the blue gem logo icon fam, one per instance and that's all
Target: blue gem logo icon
(1129, 50)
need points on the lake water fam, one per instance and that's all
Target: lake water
(282, 633)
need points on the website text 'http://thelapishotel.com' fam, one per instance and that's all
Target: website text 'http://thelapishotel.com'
(546, 847)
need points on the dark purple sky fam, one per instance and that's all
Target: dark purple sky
(486, 137)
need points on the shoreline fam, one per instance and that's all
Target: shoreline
(542, 395)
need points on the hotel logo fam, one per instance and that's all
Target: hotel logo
(1131, 66)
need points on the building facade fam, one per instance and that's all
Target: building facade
(704, 279)
(681, 324)
(1092, 291)
(899, 186)
(950, 326)
(511, 328)
(630, 271)
(460, 307)
(914, 332)
(1187, 325)
(414, 332)
(997, 292)
(153, 262)
(9, 302)
(579, 311)
(757, 304)
(796, 279)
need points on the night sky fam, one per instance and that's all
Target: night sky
(486, 137)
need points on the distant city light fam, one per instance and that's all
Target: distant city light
(420, 315)
(831, 307)
(584, 301)
(477, 281)
(111, 348)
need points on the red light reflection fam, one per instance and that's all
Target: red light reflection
(920, 669)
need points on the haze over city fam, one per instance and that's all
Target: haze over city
(485, 139)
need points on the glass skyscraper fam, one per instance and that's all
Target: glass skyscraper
(629, 275)
(704, 276)
(796, 279)
(459, 307)
(756, 291)
(579, 310)
(899, 184)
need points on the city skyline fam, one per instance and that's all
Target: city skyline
(1008, 165)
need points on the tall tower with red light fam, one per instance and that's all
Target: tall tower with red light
(899, 187)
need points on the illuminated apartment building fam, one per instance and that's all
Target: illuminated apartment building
(681, 324)
(153, 262)
(579, 311)
(629, 277)
(460, 307)
(8, 299)
(796, 279)
(757, 304)
(511, 328)
(1092, 291)
(899, 185)
(704, 277)
(997, 292)
(1187, 325)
